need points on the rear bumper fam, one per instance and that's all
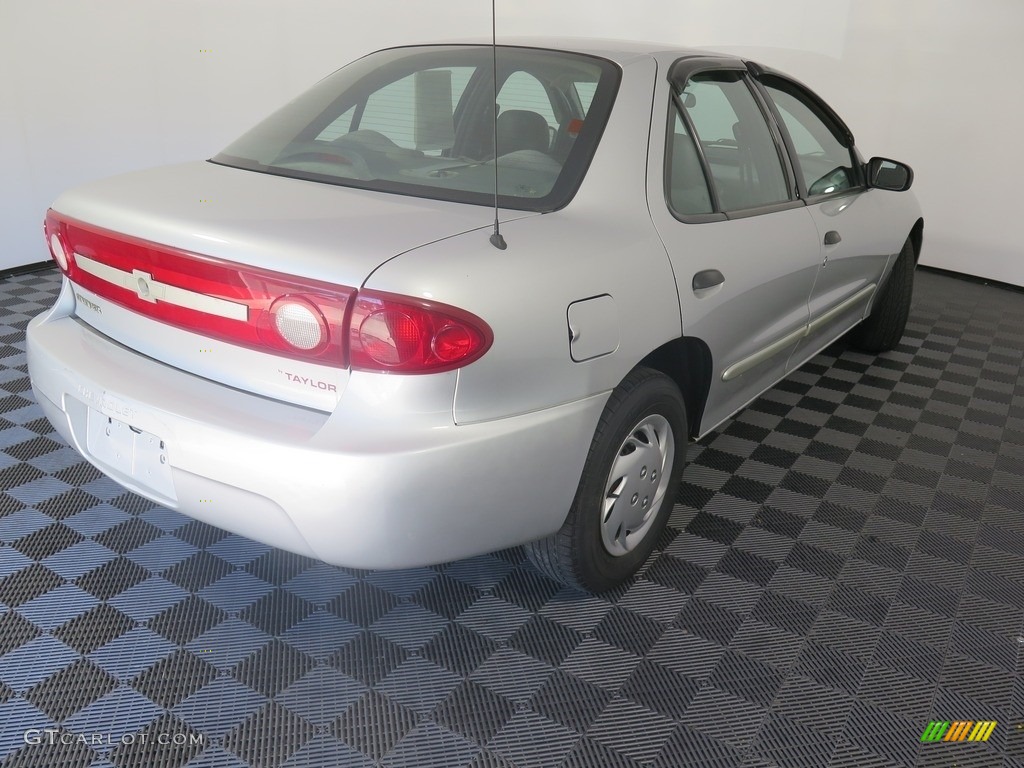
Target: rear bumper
(380, 483)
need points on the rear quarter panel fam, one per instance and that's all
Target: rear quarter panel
(603, 242)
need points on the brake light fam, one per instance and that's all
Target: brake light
(408, 335)
(268, 311)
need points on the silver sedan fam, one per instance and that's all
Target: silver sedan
(433, 307)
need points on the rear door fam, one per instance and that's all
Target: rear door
(744, 249)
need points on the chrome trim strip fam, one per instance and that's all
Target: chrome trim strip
(744, 365)
(146, 288)
(838, 309)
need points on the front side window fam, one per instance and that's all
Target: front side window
(825, 161)
(421, 121)
(741, 154)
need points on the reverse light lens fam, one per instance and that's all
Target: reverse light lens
(56, 242)
(59, 254)
(299, 323)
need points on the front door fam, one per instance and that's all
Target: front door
(845, 214)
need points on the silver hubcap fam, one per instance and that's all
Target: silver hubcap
(636, 484)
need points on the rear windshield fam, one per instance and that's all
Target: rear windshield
(420, 121)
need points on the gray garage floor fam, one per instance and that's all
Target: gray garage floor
(845, 565)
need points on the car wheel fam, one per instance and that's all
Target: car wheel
(882, 330)
(627, 489)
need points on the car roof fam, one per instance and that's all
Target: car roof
(620, 51)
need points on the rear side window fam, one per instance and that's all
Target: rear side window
(825, 163)
(741, 154)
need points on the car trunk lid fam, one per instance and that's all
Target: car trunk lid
(196, 240)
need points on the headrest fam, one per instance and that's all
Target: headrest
(522, 129)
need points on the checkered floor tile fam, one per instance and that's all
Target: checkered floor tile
(844, 567)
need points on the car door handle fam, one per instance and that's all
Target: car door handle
(707, 278)
(832, 237)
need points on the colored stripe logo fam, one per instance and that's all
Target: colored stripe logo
(958, 730)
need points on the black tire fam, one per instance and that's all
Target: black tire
(882, 330)
(644, 416)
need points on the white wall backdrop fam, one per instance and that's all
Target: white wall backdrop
(90, 88)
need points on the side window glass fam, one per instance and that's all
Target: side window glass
(825, 164)
(428, 126)
(585, 93)
(526, 118)
(338, 127)
(687, 187)
(387, 112)
(523, 91)
(742, 155)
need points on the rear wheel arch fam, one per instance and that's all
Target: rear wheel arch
(687, 361)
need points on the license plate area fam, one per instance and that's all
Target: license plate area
(130, 452)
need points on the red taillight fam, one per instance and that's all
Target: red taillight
(408, 335)
(269, 311)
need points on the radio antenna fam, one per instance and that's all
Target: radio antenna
(496, 239)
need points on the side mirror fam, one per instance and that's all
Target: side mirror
(889, 174)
